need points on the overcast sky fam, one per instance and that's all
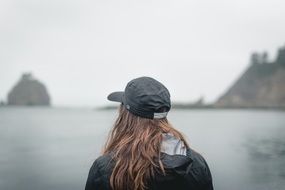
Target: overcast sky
(82, 50)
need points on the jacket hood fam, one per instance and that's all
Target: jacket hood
(172, 145)
(174, 152)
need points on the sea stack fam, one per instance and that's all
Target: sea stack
(29, 92)
(262, 85)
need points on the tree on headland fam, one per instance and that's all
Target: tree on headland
(259, 58)
(281, 56)
(264, 57)
(254, 59)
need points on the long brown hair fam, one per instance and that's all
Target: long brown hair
(135, 145)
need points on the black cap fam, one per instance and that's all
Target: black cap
(144, 97)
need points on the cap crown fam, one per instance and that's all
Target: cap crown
(147, 97)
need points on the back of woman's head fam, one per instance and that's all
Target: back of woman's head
(135, 144)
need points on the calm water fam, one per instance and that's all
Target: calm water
(53, 148)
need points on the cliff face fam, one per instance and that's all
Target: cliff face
(261, 85)
(28, 92)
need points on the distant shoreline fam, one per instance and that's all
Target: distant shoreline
(206, 106)
(173, 107)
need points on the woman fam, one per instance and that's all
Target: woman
(143, 150)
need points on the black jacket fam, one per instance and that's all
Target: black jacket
(189, 172)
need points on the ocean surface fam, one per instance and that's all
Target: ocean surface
(53, 148)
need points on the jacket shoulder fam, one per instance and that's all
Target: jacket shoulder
(104, 161)
(104, 165)
(197, 158)
(99, 173)
(199, 170)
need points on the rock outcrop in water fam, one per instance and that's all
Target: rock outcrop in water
(29, 92)
(262, 85)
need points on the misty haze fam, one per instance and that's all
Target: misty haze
(222, 61)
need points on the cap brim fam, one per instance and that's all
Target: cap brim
(116, 96)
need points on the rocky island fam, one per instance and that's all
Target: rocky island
(262, 85)
(28, 92)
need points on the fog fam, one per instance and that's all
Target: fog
(82, 50)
